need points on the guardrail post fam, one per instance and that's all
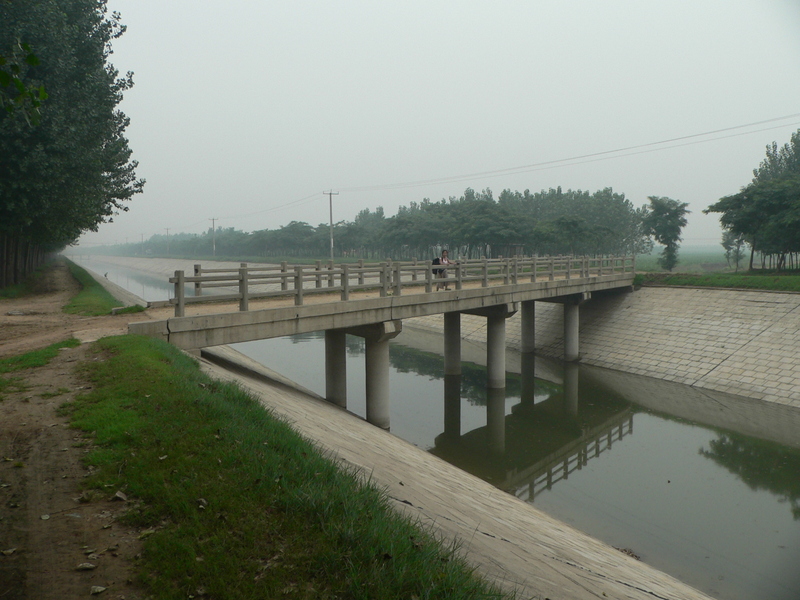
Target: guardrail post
(569, 267)
(244, 301)
(552, 268)
(345, 282)
(515, 271)
(414, 270)
(458, 276)
(361, 271)
(485, 280)
(284, 282)
(633, 263)
(398, 283)
(429, 277)
(180, 289)
(534, 266)
(298, 285)
(506, 272)
(384, 279)
(198, 285)
(331, 282)
(319, 274)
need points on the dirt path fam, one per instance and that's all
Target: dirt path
(48, 526)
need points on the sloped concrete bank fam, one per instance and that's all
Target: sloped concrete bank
(737, 342)
(509, 541)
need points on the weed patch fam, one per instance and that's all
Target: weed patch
(93, 299)
(234, 502)
(37, 358)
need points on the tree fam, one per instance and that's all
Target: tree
(664, 220)
(17, 95)
(73, 171)
(766, 212)
(733, 243)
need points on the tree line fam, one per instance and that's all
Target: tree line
(65, 164)
(474, 225)
(765, 214)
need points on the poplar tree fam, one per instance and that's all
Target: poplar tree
(73, 170)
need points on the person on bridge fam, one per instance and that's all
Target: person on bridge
(441, 273)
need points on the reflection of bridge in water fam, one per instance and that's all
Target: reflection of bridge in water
(539, 443)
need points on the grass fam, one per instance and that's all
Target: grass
(93, 299)
(37, 358)
(234, 502)
(30, 360)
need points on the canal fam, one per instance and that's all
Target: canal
(710, 505)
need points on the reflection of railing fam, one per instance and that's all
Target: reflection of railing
(573, 457)
(389, 278)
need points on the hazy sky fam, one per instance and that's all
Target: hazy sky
(246, 110)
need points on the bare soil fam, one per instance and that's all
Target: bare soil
(50, 528)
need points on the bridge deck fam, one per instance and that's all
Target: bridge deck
(279, 316)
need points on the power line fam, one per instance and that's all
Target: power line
(574, 160)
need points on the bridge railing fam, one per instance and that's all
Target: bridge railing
(388, 278)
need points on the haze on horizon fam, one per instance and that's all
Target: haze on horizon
(245, 111)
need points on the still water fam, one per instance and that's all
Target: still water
(715, 508)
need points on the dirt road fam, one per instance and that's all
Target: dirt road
(50, 528)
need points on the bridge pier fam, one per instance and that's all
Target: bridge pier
(452, 343)
(336, 367)
(571, 332)
(528, 326)
(376, 360)
(495, 341)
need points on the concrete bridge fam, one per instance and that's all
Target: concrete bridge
(371, 301)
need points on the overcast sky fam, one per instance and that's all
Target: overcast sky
(247, 110)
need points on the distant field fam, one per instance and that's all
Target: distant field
(690, 260)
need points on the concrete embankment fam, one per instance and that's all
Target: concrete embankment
(737, 342)
(509, 541)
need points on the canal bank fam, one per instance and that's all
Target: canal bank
(444, 503)
(509, 541)
(736, 342)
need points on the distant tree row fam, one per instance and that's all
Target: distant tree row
(471, 226)
(65, 165)
(765, 214)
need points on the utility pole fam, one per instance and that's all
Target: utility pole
(213, 236)
(167, 228)
(330, 194)
(142, 245)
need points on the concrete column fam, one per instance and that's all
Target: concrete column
(452, 343)
(571, 329)
(496, 351)
(528, 376)
(528, 326)
(376, 360)
(452, 406)
(496, 420)
(571, 371)
(377, 366)
(336, 367)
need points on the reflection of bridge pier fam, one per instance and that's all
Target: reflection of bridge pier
(538, 444)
